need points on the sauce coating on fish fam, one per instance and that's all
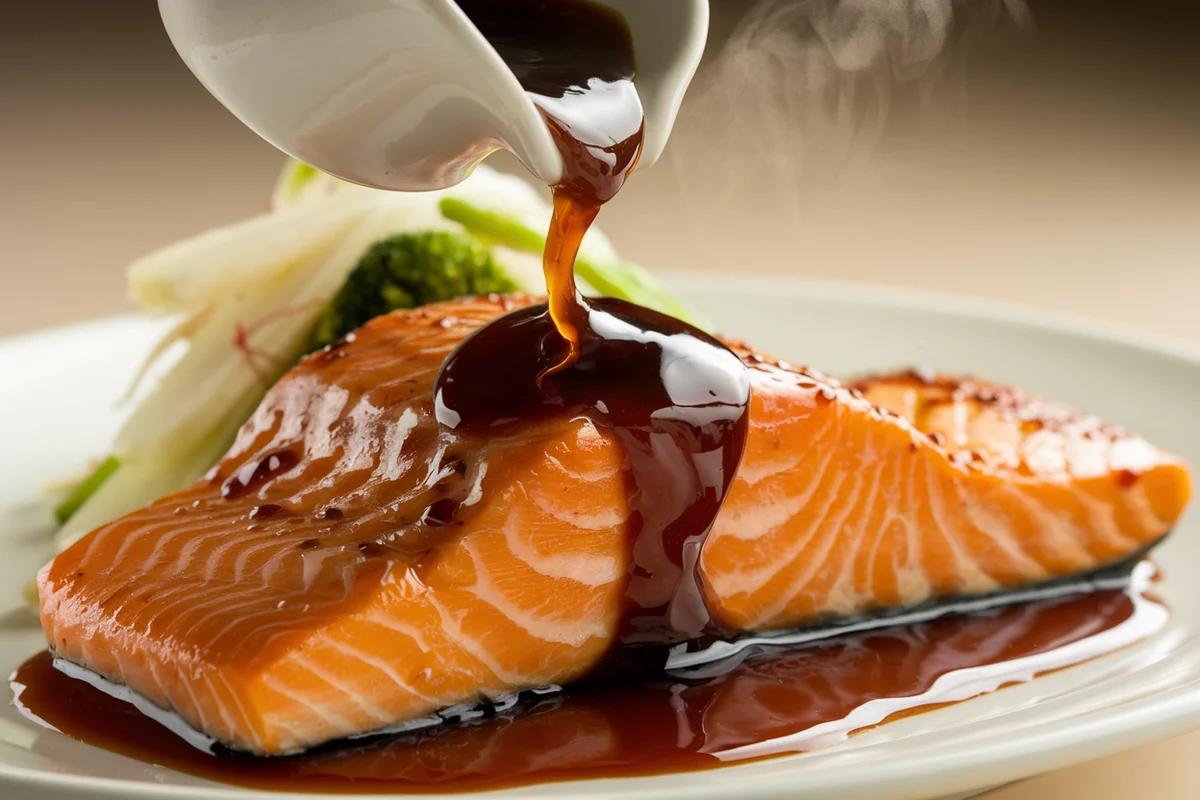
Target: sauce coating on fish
(675, 397)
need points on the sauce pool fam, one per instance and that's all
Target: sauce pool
(773, 703)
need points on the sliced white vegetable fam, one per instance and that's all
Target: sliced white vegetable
(247, 297)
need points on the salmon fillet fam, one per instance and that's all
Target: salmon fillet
(320, 582)
(902, 490)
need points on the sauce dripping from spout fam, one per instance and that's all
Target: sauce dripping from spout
(575, 61)
(675, 397)
(596, 163)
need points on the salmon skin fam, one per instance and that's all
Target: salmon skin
(349, 566)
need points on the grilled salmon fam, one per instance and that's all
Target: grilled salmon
(905, 489)
(324, 580)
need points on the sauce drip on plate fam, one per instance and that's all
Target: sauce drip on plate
(772, 703)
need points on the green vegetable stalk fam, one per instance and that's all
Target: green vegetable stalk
(85, 490)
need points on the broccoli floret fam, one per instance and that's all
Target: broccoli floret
(407, 271)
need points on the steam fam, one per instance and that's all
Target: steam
(804, 89)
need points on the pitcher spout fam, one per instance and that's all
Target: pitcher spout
(405, 95)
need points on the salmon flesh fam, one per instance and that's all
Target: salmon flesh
(321, 581)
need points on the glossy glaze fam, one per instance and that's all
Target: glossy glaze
(676, 398)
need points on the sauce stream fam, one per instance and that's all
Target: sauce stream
(675, 397)
(575, 61)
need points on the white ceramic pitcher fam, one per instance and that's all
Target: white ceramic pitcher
(405, 94)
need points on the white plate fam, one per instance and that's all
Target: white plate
(58, 389)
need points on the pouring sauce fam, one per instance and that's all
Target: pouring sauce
(676, 397)
(575, 61)
(773, 703)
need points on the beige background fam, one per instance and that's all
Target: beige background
(1044, 153)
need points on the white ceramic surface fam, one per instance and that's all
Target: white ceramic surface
(405, 94)
(55, 411)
